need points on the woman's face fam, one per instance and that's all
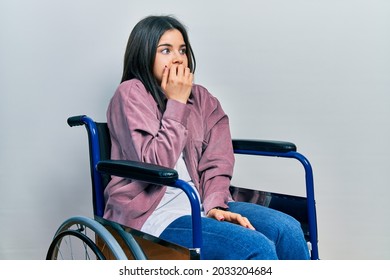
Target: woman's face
(171, 49)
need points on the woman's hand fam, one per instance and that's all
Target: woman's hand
(222, 215)
(177, 82)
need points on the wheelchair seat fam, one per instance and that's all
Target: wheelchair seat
(114, 241)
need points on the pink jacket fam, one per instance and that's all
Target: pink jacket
(140, 132)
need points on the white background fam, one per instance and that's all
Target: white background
(316, 73)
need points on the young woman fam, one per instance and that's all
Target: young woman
(158, 115)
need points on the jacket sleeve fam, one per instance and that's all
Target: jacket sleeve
(140, 132)
(217, 161)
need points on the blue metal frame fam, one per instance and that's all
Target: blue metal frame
(311, 208)
(95, 158)
(195, 211)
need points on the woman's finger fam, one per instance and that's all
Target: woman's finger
(246, 223)
(238, 219)
(164, 78)
(173, 72)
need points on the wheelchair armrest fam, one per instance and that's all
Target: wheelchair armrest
(140, 171)
(269, 146)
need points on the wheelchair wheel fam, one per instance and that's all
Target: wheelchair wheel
(76, 239)
(63, 245)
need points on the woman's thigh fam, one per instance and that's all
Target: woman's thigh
(283, 230)
(265, 220)
(222, 240)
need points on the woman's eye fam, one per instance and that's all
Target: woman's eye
(168, 51)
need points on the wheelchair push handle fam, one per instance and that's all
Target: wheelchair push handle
(76, 120)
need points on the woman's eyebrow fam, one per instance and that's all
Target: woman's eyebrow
(169, 45)
(164, 45)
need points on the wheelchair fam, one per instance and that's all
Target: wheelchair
(97, 238)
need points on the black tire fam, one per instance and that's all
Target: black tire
(57, 248)
(83, 238)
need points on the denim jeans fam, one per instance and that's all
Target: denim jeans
(277, 235)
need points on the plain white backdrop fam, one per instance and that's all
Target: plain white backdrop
(316, 73)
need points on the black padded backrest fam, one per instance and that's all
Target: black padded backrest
(104, 147)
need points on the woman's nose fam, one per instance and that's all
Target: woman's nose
(178, 58)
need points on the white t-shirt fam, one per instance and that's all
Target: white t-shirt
(173, 205)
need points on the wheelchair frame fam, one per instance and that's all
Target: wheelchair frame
(109, 232)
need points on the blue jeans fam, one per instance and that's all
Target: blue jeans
(277, 235)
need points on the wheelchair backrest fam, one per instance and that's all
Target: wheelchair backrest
(104, 148)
